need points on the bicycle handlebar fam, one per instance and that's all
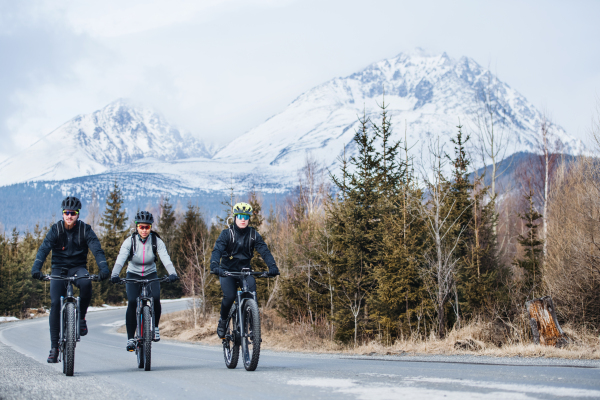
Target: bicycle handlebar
(260, 274)
(130, 280)
(94, 278)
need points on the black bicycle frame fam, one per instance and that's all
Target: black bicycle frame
(69, 298)
(244, 294)
(144, 299)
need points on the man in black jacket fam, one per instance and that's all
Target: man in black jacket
(69, 240)
(233, 251)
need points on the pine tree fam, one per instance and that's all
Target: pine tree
(167, 228)
(114, 229)
(354, 218)
(532, 245)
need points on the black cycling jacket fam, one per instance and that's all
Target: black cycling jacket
(241, 251)
(68, 252)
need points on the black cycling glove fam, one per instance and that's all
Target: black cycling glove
(103, 275)
(37, 275)
(115, 279)
(173, 278)
(273, 271)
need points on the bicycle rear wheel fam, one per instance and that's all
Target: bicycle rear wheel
(231, 347)
(71, 337)
(251, 335)
(147, 336)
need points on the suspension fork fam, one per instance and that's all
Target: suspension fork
(240, 302)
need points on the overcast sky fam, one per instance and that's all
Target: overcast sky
(217, 68)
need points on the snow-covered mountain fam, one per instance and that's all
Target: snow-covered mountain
(427, 92)
(116, 135)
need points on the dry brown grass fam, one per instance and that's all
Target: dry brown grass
(477, 338)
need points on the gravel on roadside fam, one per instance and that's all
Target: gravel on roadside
(22, 377)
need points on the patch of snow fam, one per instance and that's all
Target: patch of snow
(8, 319)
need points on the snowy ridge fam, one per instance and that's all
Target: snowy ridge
(91, 144)
(430, 93)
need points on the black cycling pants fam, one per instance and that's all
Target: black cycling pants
(133, 291)
(58, 289)
(229, 285)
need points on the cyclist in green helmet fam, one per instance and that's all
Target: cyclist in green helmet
(233, 251)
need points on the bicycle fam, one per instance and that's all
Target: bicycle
(69, 322)
(243, 325)
(144, 333)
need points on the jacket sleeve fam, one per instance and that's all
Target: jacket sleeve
(161, 249)
(219, 250)
(44, 250)
(94, 245)
(122, 257)
(264, 251)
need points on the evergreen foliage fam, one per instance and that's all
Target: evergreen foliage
(114, 232)
(532, 246)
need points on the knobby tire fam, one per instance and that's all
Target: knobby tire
(251, 338)
(147, 318)
(231, 348)
(71, 338)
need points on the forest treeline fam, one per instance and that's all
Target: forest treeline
(390, 247)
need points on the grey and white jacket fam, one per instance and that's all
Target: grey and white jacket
(143, 262)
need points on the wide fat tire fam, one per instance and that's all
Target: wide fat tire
(71, 339)
(251, 338)
(147, 338)
(231, 348)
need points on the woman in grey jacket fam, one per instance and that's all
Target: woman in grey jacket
(139, 250)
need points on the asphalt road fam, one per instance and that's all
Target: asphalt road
(104, 369)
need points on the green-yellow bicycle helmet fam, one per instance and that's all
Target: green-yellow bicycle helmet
(242, 208)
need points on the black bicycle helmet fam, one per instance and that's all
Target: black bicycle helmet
(144, 217)
(71, 203)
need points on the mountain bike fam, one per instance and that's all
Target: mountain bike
(69, 321)
(243, 325)
(144, 332)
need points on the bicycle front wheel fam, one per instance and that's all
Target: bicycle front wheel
(71, 338)
(231, 346)
(251, 335)
(147, 336)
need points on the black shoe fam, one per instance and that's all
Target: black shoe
(131, 345)
(83, 328)
(222, 329)
(53, 356)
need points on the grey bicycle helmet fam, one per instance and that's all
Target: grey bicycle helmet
(144, 217)
(71, 203)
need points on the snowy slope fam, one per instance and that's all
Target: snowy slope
(428, 92)
(91, 144)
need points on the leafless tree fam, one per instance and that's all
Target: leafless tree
(489, 120)
(441, 217)
(196, 277)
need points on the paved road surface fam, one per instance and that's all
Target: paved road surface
(103, 369)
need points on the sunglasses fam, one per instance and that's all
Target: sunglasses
(65, 212)
(243, 216)
(144, 227)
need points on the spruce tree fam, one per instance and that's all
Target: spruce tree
(532, 245)
(354, 218)
(114, 233)
(167, 228)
